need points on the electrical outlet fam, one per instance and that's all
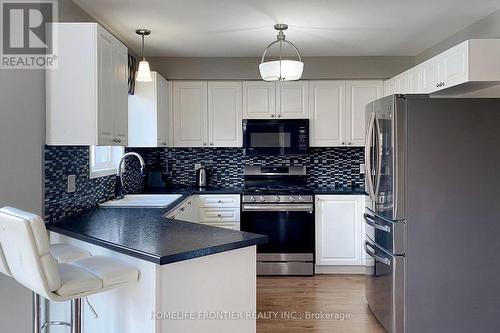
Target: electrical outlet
(71, 183)
(197, 166)
(362, 168)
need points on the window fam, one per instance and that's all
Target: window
(104, 160)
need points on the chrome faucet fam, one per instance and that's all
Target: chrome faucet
(119, 180)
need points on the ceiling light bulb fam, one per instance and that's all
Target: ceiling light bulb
(144, 72)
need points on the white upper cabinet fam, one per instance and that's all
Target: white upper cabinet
(224, 114)
(327, 113)
(391, 87)
(86, 95)
(275, 100)
(149, 114)
(337, 111)
(339, 238)
(259, 100)
(431, 75)
(292, 100)
(190, 114)
(466, 67)
(358, 95)
(207, 114)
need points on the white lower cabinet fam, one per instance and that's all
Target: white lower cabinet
(339, 230)
(211, 209)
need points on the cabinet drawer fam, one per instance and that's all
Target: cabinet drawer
(210, 201)
(219, 215)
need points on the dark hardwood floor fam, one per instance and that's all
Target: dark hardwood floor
(340, 299)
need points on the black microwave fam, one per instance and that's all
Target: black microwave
(275, 137)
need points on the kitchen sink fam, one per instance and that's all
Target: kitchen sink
(142, 200)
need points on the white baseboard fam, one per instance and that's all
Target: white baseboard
(362, 270)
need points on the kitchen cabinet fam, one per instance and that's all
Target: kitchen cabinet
(339, 230)
(86, 95)
(186, 211)
(207, 114)
(292, 100)
(466, 67)
(190, 114)
(391, 87)
(212, 209)
(337, 111)
(358, 95)
(224, 114)
(149, 114)
(259, 100)
(327, 117)
(275, 100)
(220, 210)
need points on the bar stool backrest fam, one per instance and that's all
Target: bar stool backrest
(25, 245)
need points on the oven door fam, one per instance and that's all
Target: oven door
(289, 227)
(385, 290)
(275, 137)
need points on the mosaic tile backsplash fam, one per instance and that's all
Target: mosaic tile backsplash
(327, 167)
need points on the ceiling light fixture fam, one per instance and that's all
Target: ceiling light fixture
(143, 73)
(281, 70)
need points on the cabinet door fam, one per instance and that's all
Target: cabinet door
(431, 75)
(327, 113)
(162, 112)
(224, 114)
(455, 62)
(259, 100)
(120, 101)
(106, 78)
(358, 95)
(403, 86)
(190, 114)
(390, 87)
(338, 230)
(292, 100)
(414, 81)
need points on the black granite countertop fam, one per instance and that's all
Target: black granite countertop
(145, 234)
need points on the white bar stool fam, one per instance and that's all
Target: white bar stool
(26, 257)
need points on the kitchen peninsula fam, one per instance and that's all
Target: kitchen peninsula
(190, 273)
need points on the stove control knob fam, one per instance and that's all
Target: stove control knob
(301, 199)
(262, 199)
(276, 199)
(253, 199)
(292, 199)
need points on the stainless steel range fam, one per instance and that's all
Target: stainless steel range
(277, 203)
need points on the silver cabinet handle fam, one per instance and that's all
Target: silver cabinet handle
(372, 222)
(374, 255)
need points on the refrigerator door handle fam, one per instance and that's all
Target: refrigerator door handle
(378, 150)
(368, 157)
(369, 248)
(372, 222)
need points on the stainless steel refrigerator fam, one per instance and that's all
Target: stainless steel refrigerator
(433, 178)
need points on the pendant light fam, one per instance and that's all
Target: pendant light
(143, 73)
(281, 70)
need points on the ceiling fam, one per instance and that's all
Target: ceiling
(240, 28)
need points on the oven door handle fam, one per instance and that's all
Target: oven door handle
(277, 208)
(372, 222)
(370, 249)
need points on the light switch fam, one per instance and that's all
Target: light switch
(71, 183)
